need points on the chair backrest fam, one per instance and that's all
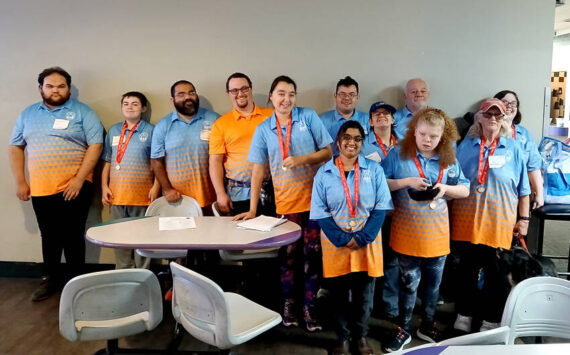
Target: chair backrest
(198, 303)
(110, 304)
(185, 207)
(539, 306)
(488, 337)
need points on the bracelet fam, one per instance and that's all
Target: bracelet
(524, 218)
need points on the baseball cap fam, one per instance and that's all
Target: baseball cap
(381, 104)
(488, 103)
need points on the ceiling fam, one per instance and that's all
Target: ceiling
(562, 19)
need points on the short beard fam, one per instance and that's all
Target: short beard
(49, 101)
(187, 111)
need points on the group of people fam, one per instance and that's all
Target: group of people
(385, 193)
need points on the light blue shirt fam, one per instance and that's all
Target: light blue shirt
(530, 150)
(329, 200)
(333, 120)
(138, 149)
(401, 119)
(370, 146)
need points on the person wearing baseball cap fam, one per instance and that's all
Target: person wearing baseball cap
(379, 141)
(487, 219)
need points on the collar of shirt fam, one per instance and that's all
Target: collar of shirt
(199, 115)
(502, 142)
(422, 158)
(338, 117)
(237, 116)
(66, 105)
(140, 127)
(294, 118)
(331, 167)
(406, 112)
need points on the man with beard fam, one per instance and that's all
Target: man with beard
(416, 96)
(346, 97)
(63, 138)
(179, 151)
(229, 145)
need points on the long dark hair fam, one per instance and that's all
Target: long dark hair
(501, 95)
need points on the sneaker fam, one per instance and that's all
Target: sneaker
(44, 291)
(363, 347)
(463, 323)
(341, 348)
(289, 317)
(401, 339)
(429, 333)
(310, 322)
(488, 326)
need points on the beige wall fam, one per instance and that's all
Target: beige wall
(466, 50)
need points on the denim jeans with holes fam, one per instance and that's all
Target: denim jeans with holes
(412, 269)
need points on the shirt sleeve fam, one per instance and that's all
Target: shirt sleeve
(217, 144)
(524, 184)
(17, 137)
(258, 148)
(92, 127)
(461, 179)
(157, 149)
(319, 207)
(320, 134)
(388, 164)
(107, 149)
(383, 196)
(534, 158)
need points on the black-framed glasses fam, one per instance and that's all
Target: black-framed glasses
(348, 138)
(243, 90)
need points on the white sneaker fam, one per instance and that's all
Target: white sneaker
(488, 326)
(463, 323)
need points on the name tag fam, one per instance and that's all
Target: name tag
(60, 123)
(496, 161)
(115, 140)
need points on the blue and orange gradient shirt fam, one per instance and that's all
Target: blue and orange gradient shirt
(418, 229)
(292, 186)
(184, 146)
(489, 217)
(133, 180)
(56, 142)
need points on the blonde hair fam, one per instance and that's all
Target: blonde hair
(436, 117)
(476, 130)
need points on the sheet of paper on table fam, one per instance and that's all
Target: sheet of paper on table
(175, 223)
(262, 223)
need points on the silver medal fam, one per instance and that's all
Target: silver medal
(433, 204)
(117, 167)
(481, 189)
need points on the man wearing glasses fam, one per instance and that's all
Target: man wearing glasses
(230, 139)
(346, 98)
(416, 96)
(179, 151)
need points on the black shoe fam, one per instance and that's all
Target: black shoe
(429, 333)
(341, 348)
(45, 290)
(363, 347)
(400, 339)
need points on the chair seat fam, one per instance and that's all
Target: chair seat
(247, 318)
(162, 253)
(238, 255)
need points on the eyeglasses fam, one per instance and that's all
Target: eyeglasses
(498, 116)
(510, 103)
(243, 90)
(348, 138)
(344, 95)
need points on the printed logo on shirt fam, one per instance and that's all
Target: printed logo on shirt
(509, 155)
(366, 176)
(302, 126)
(143, 136)
(70, 115)
(451, 173)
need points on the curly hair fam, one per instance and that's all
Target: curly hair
(436, 117)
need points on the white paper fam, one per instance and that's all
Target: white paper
(496, 161)
(262, 223)
(115, 140)
(60, 123)
(175, 223)
(375, 156)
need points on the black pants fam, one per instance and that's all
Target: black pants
(62, 226)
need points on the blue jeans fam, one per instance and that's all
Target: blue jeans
(391, 279)
(352, 319)
(411, 270)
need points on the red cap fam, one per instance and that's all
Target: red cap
(488, 103)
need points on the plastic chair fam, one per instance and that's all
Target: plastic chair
(185, 207)
(488, 337)
(240, 255)
(222, 319)
(109, 305)
(539, 306)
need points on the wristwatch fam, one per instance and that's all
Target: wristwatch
(524, 218)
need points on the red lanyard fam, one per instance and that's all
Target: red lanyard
(284, 149)
(122, 148)
(423, 175)
(379, 140)
(351, 207)
(514, 131)
(482, 170)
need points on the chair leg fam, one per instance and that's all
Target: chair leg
(177, 340)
